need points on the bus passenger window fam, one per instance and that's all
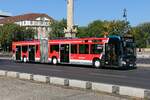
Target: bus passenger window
(54, 48)
(96, 49)
(84, 49)
(24, 49)
(74, 48)
(37, 47)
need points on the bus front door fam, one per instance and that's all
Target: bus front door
(110, 54)
(31, 53)
(64, 53)
(18, 52)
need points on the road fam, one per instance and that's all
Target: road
(139, 77)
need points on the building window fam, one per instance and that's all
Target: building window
(24, 22)
(31, 22)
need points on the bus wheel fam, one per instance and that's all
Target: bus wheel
(54, 61)
(97, 63)
(24, 59)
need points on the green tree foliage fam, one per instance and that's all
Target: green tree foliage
(142, 35)
(57, 28)
(98, 27)
(12, 32)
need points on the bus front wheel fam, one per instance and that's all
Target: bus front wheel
(97, 63)
(54, 61)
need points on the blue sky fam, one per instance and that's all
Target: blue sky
(85, 10)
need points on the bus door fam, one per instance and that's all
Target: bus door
(110, 54)
(18, 52)
(64, 53)
(32, 53)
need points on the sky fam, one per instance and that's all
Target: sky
(85, 11)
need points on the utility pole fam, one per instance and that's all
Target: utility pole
(71, 30)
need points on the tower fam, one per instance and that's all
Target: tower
(71, 30)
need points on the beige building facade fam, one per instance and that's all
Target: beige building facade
(39, 22)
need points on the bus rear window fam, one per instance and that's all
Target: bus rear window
(96, 49)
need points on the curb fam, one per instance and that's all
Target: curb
(108, 88)
(142, 65)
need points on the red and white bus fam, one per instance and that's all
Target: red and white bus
(83, 51)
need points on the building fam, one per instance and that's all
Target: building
(4, 14)
(39, 22)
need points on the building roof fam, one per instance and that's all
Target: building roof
(5, 14)
(30, 16)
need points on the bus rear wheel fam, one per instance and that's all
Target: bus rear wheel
(24, 59)
(97, 63)
(54, 61)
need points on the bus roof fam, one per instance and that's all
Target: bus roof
(70, 40)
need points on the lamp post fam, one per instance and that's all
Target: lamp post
(126, 21)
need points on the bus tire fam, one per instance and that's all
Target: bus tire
(54, 61)
(24, 59)
(97, 63)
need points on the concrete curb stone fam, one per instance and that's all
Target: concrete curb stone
(3, 73)
(79, 84)
(26, 76)
(41, 78)
(12, 74)
(102, 87)
(147, 94)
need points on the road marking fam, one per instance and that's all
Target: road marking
(109, 75)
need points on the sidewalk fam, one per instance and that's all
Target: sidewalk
(14, 89)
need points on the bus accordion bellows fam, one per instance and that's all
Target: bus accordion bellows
(114, 51)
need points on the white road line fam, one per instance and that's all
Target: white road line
(108, 75)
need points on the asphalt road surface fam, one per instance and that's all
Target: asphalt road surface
(139, 77)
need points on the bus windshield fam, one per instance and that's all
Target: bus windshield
(129, 48)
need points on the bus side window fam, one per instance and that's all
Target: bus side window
(54, 48)
(37, 47)
(96, 49)
(84, 49)
(74, 48)
(24, 48)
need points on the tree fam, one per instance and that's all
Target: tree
(142, 35)
(98, 27)
(82, 32)
(12, 32)
(58, 28)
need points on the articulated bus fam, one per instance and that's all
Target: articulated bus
(112, 51)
